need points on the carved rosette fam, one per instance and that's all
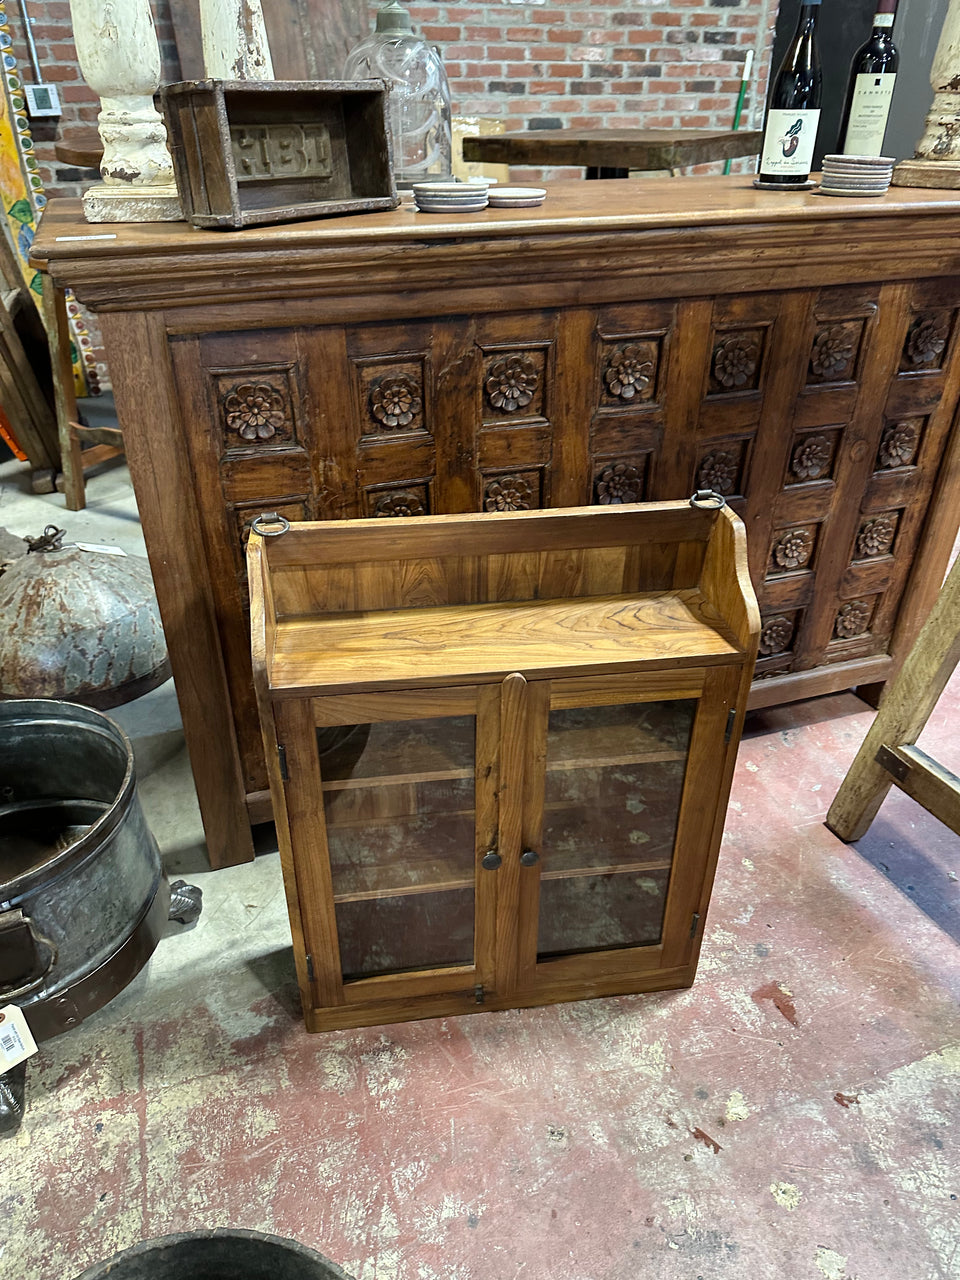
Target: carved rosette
(898, 445)
(853, 619)
(511, 382)
(926, 342)
(833, 354)
(629, 373)
(735, 362)
(811, 458)
(876, 535)
(793, 550)
(256, 411)
(395, 402)
(508, 493)
(619, 483)
(401, 503)
(776, 634)
(719, 471)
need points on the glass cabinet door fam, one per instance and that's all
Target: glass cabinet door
(399, 804)
(611, 801)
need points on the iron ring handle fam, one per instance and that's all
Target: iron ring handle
(271, 517)
(708, 500)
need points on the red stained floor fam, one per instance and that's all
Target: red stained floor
(791, 1115)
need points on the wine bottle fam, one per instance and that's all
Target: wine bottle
(793, 115)
(873, 74)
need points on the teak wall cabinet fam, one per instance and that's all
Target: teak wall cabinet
(500, 750)
(627, 340)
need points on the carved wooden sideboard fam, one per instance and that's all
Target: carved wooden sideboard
(625, 341)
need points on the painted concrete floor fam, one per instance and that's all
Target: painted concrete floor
(791, 1115)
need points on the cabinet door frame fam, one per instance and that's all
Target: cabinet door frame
(697, 836)
(309, 854)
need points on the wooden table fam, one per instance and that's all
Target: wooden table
(624, 341)
(611, 153)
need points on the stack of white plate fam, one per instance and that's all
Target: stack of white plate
(856, 175)
(517, 197)
(450, 197)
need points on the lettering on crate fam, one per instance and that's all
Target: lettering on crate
(265, 151)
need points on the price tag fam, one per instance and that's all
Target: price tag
(16, 1042)
(101, 547)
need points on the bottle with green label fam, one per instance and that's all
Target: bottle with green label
(793, 115)
(873, 75)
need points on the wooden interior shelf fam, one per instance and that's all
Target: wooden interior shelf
(502, 746)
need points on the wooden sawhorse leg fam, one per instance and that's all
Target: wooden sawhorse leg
(888, 754)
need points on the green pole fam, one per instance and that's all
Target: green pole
(744, 84)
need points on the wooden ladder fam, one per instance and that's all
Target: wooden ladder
(889, 755)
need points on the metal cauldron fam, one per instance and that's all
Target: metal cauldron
(221, 1254)
(83, 898)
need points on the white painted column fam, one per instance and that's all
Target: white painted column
(120, 59)
(937, 159)
(235, 43)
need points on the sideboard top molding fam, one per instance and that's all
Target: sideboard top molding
(655, 230)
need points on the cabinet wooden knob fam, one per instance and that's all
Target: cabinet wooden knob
(491, 860)
(529, 858)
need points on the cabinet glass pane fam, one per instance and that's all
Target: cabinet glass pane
(398, 800)
(613, 786)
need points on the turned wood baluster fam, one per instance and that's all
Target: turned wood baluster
(120, 59)
(235, 43)
(937, 160)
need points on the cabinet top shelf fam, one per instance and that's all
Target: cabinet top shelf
(440, 601)
(479, 643)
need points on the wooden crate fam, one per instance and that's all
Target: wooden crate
(246, 153)
(500, 750)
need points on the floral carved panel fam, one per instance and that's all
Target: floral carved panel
(812, 457)
(513, 384)
(399, 501)
(629, 372)
(899, 443)
(776, 633)
(876, 536)
(792, 549)
(926, 342)
(735, 361)
(853, 619)
(617, 481)
(392, 398)
(833, 356)
(256, 408)
(721, 468)
(512, 491)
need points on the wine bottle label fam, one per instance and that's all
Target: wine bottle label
(788, 143)
(883, 19)
(868, 115)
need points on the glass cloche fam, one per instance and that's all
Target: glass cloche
(419, 100)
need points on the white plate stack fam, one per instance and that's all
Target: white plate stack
(856, 175)
(451, 197)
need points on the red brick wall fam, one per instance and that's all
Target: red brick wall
(589, 63)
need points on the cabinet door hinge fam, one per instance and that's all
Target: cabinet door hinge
(282, 755)
(694, 924)
(478, 993)
(310, 973)
(731, 721)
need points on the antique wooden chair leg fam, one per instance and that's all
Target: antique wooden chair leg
(884, 757)
(58, 336)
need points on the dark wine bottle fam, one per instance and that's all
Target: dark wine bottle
(793, 114)
(873, 74)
